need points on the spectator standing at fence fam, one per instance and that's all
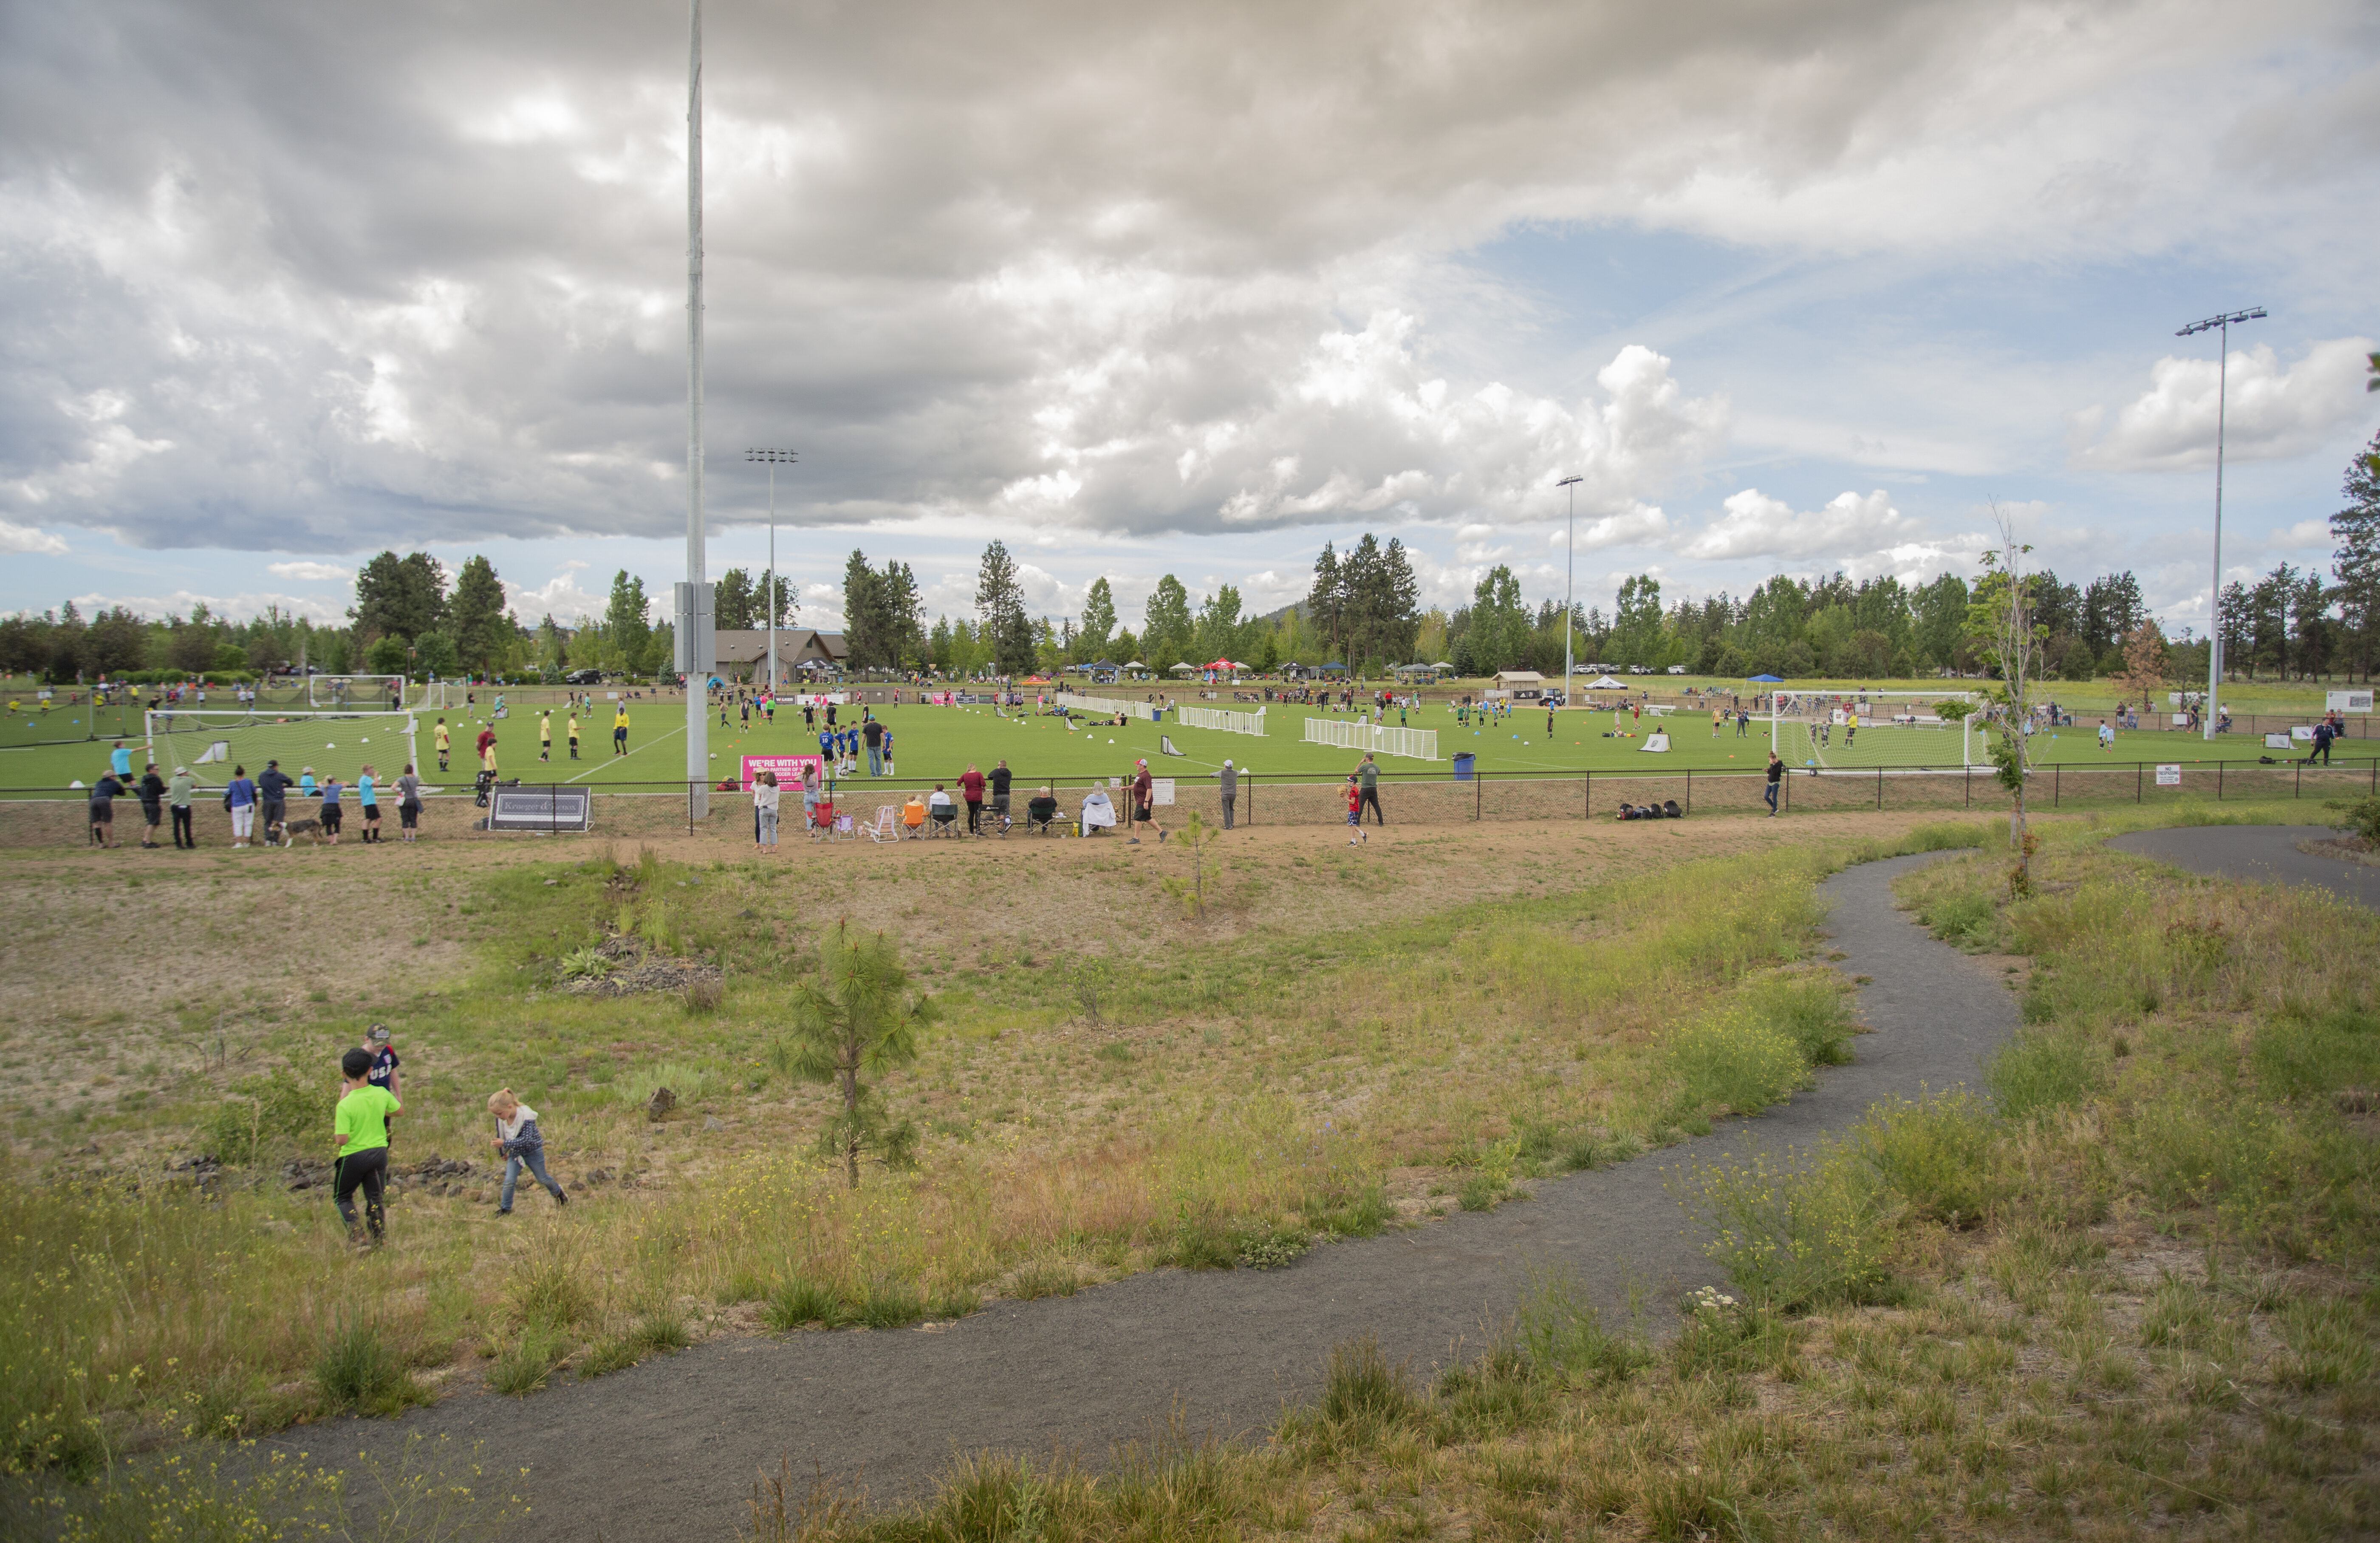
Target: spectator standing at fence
(152, 805)
(239, 802)
(1000, 780)
(409, 804)
(813, 779)
(764, 811)
(1776, 775)
(873, 732)
(971, 789)
(103, 793)
(1368, 777)
(1227, 782)
(177, 798)
(1144, 793)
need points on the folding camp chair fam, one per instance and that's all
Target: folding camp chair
(886, 825)
(1041, 816)
(913, 821)
(945, 817)
(824, 820)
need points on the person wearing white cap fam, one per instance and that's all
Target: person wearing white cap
(1228, 781)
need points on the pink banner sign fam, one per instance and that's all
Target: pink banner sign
(787, 768)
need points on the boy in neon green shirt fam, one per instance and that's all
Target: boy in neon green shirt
(362, 1127)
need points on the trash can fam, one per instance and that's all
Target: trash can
(1463, 762)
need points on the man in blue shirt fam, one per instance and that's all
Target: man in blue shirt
(272, 794)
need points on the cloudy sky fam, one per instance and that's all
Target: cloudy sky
(1187, 288)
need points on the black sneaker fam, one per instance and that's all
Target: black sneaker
(561, 1197)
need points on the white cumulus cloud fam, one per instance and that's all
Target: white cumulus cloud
(1757, 526)
(2271, 411)
(312, 573)
(24, 538)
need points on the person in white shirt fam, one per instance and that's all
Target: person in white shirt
(764, 810)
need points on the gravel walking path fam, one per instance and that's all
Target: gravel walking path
(669, 1449)
(2258, 854)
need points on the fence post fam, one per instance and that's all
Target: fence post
(1879, 787)
(2054, 773)
(2218, 781)
(2296, 784)
(1479, 791)
(2140, 779)
(1967, 781)
(1590, 796)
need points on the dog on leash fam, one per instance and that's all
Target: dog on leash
(291, 830)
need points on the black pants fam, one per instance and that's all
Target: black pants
(183, 835)
(974, 815)
(369, 1172)
(1371, 801)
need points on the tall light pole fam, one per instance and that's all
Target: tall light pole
(695, 644)
(1570, 568)
(2221, 324)
(773, 459)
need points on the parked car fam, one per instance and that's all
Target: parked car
(583, 677)
(1677, 669)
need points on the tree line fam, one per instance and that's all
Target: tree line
(1361, 610)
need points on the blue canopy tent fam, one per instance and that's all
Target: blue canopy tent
(1765, 680)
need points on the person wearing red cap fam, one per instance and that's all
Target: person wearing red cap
(1144, 812)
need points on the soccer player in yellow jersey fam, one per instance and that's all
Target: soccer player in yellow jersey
(545, 735)
(445, 744)
(620, 730)
(574, 734)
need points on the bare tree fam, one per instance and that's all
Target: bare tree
(2001, 624)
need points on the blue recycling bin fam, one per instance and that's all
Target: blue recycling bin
(1463, 762)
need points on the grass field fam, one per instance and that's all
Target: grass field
(937, 744)
(2134, 1299)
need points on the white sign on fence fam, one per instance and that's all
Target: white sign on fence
(2347, 702)
(2182, 719)
(2170, 776)
(1160, 790)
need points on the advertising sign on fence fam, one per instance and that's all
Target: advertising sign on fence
(540, 809)
(787, 768)
(2170, 776)
(2347, 702)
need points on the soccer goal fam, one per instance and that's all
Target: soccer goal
(1929, 731)
(213, 745)
(355, 693)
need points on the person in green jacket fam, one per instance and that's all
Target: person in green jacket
(178, 790)
(362, 1126)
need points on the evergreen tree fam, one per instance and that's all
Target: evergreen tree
(401, 596)
(735, 606)
(855, 1018)
(625, 626)
(2356, 562)
(1219, 626)
(1326, 600)
(1098, 620)
(1166, 630)
(1636, 630)
(1002, 623)
(865, 624)
(475, 615)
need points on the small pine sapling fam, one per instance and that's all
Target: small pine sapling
(857, 1016)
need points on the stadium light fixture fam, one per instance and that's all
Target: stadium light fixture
(2220, 325)
(772, 459)
(1569, 571)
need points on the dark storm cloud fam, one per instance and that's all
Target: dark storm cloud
(316, 277)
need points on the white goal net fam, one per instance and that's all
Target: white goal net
(216, 745)
(355, 693)
(1912, 731)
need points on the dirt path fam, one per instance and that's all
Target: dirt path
(669, 1449)
(2258, 855)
